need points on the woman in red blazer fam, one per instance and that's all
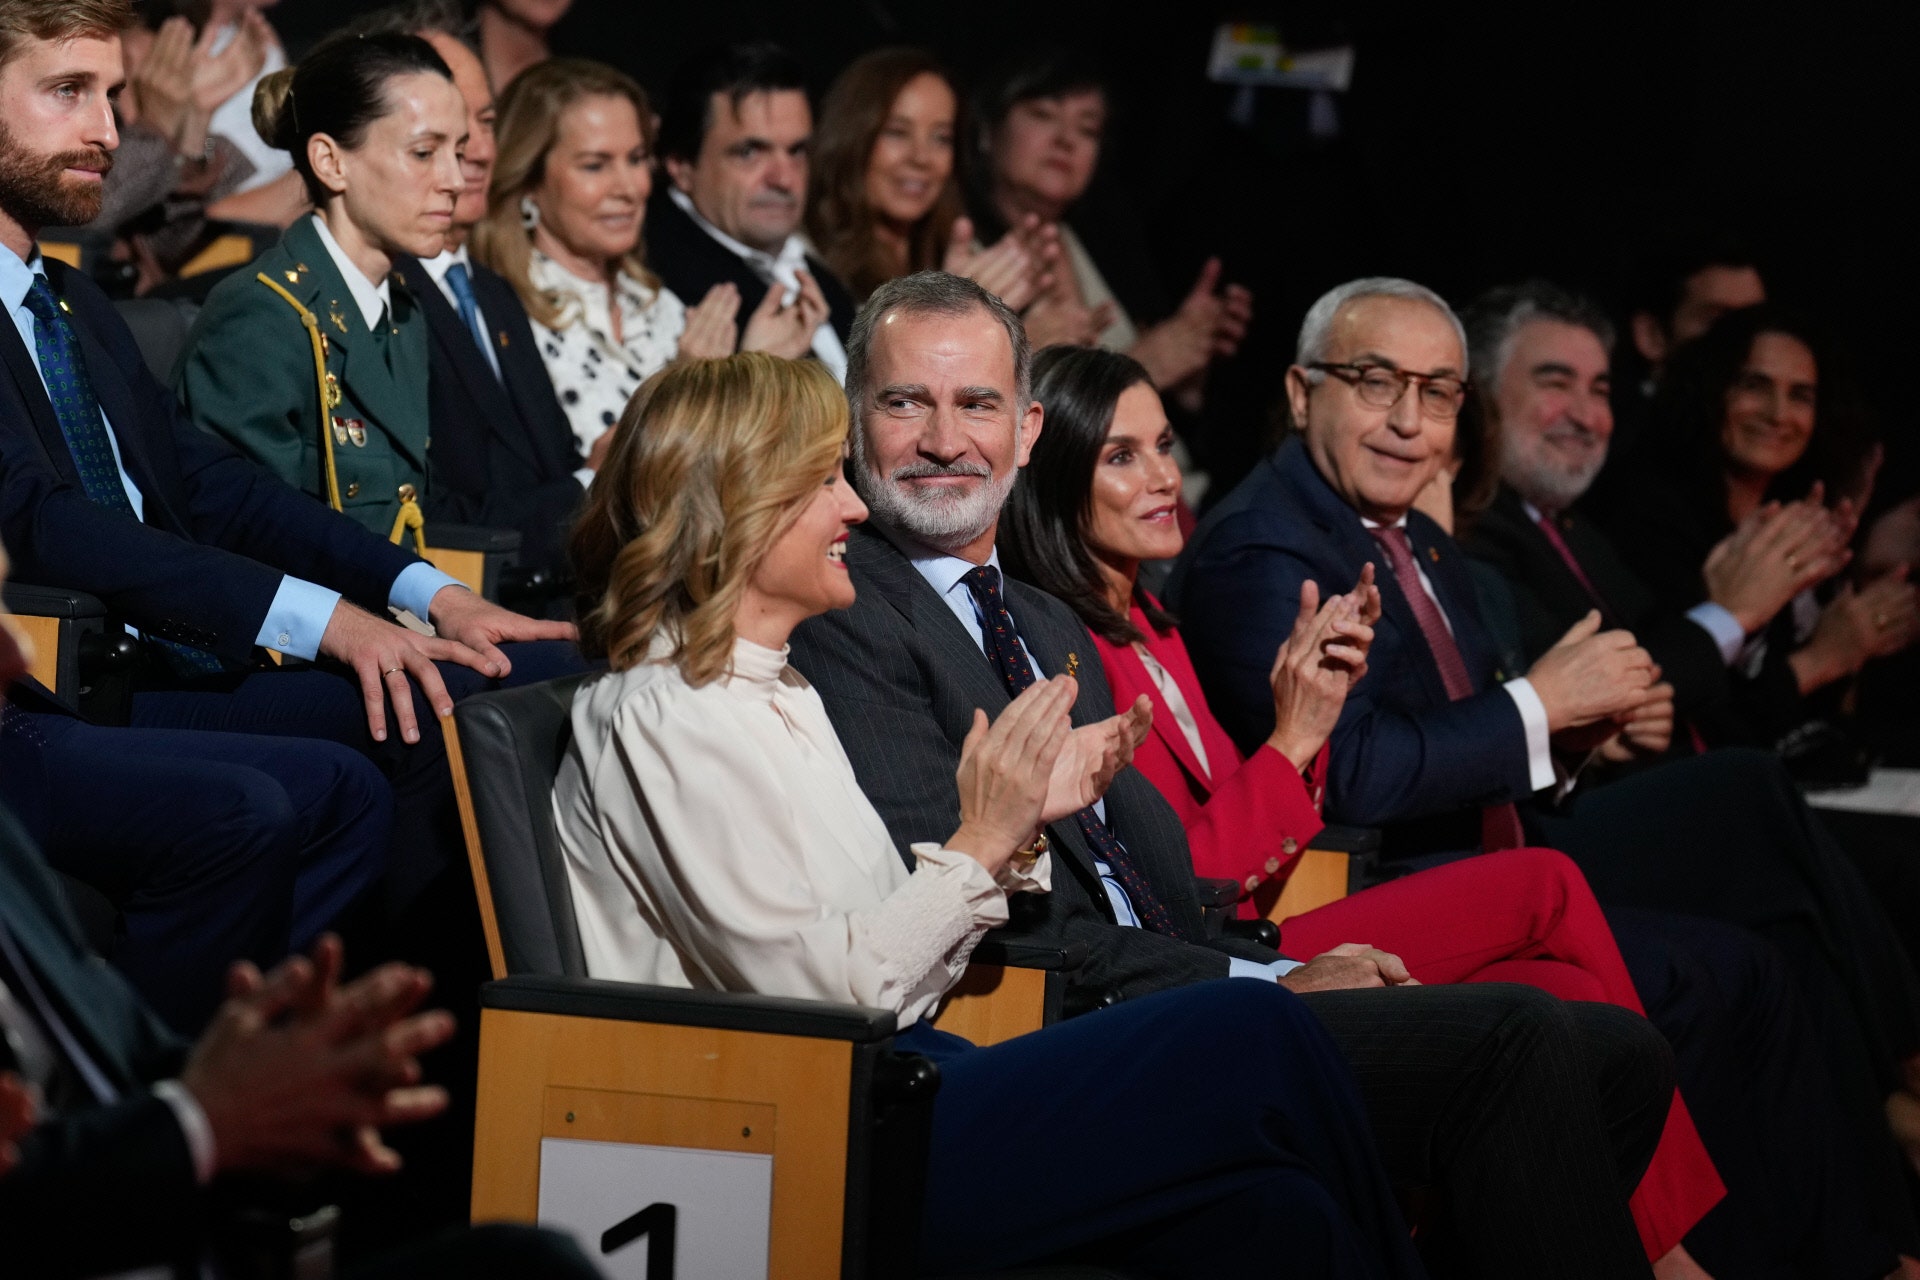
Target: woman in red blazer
(1099, 496)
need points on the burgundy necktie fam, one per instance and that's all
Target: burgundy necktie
(1499, 823)
(1552, 533)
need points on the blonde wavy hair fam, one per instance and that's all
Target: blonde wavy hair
(710, 464)
(526, 131)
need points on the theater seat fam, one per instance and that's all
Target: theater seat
(80, 656)
(798, 1108)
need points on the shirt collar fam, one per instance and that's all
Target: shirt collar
(781, 266)
(16, 276)
(441, 263)
(372, 299)
(944, 572)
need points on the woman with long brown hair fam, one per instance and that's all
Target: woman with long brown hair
(884, 198)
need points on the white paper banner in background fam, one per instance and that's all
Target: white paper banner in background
(660, 1213)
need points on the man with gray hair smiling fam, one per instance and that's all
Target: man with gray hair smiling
(1499, 1098)
(1450, 755)
(1544, 356)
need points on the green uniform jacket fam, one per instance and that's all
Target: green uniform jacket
(247, 375)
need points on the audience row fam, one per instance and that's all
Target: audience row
(867, 685)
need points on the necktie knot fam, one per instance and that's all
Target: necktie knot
(43, 302)
(984, 582)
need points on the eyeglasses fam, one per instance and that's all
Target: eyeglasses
(1441, 394)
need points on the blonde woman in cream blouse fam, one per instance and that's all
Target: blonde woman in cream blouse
(716, 838)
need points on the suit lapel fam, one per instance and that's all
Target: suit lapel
(881, 555)
(1164, 725)
(124, 418)
(449, 333)
(1342, 524)
(33, 397)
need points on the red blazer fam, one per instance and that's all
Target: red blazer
(1245, 820)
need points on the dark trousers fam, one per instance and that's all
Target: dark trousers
(1527, 1121)
(1220, 1130)
(214, 846)
(1745, 1049)
(1726, 836)
(324, 701)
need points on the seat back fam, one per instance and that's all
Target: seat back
(160, 327)
(505, 749)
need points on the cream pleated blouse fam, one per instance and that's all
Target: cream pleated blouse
(715, 838)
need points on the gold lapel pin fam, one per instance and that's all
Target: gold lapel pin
(293, 277)
(333, 314)
(1433, 554)
(1073, 664)
(333, 391)
(503, 337)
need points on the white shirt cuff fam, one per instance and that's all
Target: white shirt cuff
(297, 618)
(1725, 629)
(1533, 714)
(1268, 971)
(585, 476)
(193, 1125)
(416, 586)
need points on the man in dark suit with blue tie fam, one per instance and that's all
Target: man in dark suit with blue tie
(1450, 754)
(106, 488)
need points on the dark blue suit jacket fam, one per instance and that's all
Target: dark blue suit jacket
(106, 1187)
(501, 450)
(1404, 756)
(219, 531)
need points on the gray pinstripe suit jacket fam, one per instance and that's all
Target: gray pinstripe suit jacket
(901, 678)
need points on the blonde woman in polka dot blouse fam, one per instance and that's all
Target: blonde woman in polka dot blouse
(564, 220)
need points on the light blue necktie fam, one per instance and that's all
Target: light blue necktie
(462, 286)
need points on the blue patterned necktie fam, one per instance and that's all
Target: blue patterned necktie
(462, 286)
(64, 368)
(1002, 642)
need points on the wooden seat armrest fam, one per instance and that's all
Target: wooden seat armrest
(676, 1006)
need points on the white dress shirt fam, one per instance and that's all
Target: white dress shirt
(1533, 712)
(781, 269)
(715, 838)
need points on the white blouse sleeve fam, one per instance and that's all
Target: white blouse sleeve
(700, 817)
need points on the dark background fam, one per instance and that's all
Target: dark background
(1478, 144)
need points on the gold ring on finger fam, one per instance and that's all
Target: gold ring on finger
(390, 670)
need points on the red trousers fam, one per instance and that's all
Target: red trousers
(1521, 915)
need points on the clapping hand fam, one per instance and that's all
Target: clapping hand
(1777, 552)
(297, 1072)
(782, 328)
(1318, 665)
(1015, 269)
(1210, 324)
(1005, 772)
(1094, 754)
(1646, 730)
(709, 334)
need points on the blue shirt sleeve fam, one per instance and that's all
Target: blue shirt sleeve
(297, 618)
(1269, 971)
(1725, 629)
(416, 586)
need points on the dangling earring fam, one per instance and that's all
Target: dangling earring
(529, 213)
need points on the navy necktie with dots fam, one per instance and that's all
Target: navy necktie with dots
(64, 368)
(1002, 642)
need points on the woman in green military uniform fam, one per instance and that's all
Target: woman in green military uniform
(313, 360)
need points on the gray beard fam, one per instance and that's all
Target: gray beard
(945, 522)
(1548, 485)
